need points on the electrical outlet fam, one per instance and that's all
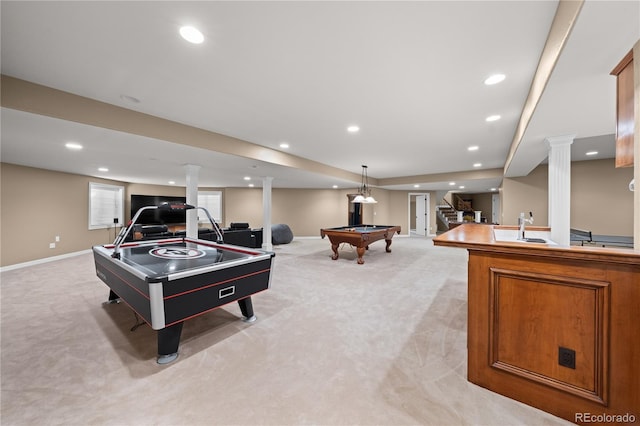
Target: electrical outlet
(57, 238)
(567, 357)
(52, 245)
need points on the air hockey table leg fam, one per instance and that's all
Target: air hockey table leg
(113, 298)
(246, 307)
(168, 341)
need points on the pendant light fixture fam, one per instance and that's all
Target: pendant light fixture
(364, 192)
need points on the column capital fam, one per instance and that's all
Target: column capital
(191, 168)
(560, 140)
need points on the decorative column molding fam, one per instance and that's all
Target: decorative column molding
(560, 188)
(266, 213)
(192, 198)
(636, 146)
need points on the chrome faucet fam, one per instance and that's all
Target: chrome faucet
(521, 224)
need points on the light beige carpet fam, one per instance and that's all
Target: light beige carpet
(336, 343)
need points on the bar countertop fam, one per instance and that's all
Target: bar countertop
(482, 237)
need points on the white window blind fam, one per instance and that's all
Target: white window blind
(106, 203)
(212, 201)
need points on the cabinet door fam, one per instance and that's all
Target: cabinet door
(624, 111)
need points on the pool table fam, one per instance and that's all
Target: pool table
(359, 236)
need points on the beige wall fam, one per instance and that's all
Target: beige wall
(306, 211)
(392, 209)
(401, 210)
(600, 198)
(38, 205)
(242, 205)
(526, 194)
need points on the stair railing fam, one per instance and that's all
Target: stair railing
(442, 216)
(449, 204)
(466, 205)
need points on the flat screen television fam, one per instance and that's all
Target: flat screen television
(157, 217)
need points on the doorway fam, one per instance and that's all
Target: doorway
(419, 220)
(355, 211)
(495, 208)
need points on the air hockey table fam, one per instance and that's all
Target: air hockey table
(169, 281)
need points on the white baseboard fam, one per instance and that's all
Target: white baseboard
(45, 260)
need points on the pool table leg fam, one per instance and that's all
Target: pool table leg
(388, 245)
(335, 247)
(246, 307)
(361, 251)
(168, 341)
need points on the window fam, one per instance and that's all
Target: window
(106, 203)
(212, 201)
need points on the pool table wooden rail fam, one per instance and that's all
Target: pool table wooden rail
(360, 236)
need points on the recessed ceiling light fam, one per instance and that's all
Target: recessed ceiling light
(247, 178)
(477, 164)
(451, 183)
(461, 187)
(172, 182)
(251, 185)
(493, 118)
(353, 129)
(335, 186)
(191, 34)
(103, 169)
(493, 189)
(284, 145)
(494, 79)
(73, 145)
(416, 186)
(592, 153)
(473, 148)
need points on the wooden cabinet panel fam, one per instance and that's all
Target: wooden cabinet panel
(526, 301)
(522, 309)
(533, 317)
(624, 111)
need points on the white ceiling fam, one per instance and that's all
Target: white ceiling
(410, 74)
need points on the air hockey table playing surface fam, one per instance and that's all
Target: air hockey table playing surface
(178, 258)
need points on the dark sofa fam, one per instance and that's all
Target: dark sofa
(240, 234)
(157, 232)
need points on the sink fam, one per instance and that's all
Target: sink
(511, 235)
(535, 240)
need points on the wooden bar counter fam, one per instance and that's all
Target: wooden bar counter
(557, 328)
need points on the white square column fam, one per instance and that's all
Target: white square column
(266, 213)
(192, 198)
(560, 188)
